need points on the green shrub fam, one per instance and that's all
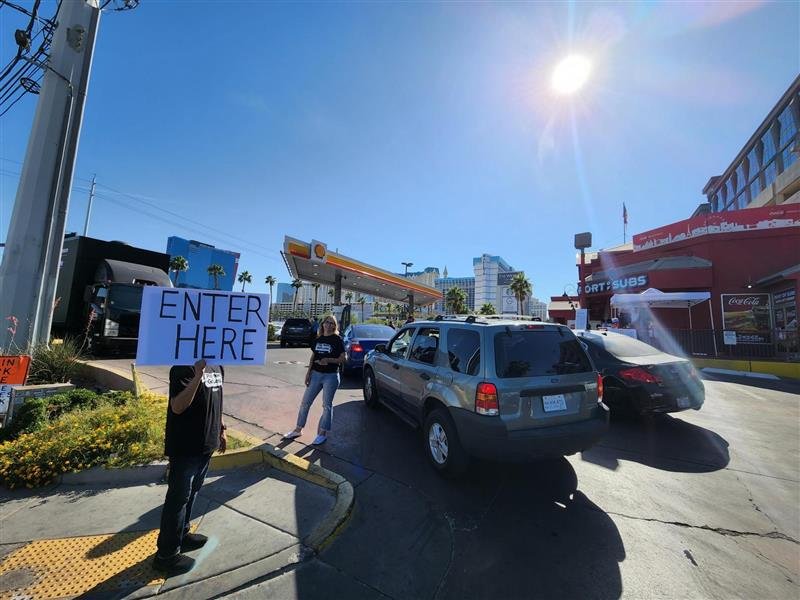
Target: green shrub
(118, 398)
(56, 363)
(271, 333)
(117, 436)
(82, 398)
(31, 415)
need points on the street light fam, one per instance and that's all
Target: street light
(406, 265)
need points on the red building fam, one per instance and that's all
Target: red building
(747, 260)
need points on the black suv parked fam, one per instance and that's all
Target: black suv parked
(297, 331)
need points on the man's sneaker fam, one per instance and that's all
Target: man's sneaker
(193, 541)
(174, 565)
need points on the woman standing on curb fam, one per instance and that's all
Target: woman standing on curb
(322, 375)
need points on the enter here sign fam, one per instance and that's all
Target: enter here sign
(180, 326)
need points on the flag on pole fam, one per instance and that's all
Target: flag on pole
(624, 214)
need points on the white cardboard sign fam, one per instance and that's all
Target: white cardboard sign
(179, 326)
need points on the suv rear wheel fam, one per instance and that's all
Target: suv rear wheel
(370, 389)
(442, 445)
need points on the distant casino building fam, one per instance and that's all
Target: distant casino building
(200, 256)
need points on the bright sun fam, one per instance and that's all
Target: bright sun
(571, 74)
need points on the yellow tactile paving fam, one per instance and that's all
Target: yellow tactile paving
(71, 566)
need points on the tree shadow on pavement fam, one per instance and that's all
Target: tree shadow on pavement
(662, 442)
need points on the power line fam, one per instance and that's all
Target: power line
(182, 225)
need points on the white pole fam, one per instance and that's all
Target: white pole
(89, 207)
(32, 255)
(713, 332)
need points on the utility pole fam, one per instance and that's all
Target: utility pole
(32, 255)
(89, 208)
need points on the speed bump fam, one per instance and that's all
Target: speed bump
(65, 567)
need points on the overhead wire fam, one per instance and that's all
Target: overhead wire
(216, 235)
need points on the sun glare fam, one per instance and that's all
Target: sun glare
(571, 74)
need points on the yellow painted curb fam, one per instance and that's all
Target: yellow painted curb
(779, 369)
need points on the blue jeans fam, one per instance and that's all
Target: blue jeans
(328, 384)
(186, 476)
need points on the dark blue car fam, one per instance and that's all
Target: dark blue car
(359, 340)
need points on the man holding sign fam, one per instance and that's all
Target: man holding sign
(194, 431)
(196, 331)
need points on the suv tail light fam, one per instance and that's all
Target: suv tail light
(639, 375)
(356, 347)
(486, 399)
(599, 388)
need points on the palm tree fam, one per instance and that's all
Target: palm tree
(270, 281)
(178, 264)
(216, 271)
(296, 284)
(456, 300)
(389, 308)
(244, 278)
(361, 300)
(487, 309)
(316, 287)
(522, 289)
(330, 293)
(348, 297)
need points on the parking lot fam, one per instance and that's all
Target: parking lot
(697, 504)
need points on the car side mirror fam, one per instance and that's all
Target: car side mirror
(380, 348)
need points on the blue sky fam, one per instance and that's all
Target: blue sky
(422, 132)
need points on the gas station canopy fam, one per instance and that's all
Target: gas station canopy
(312, 261)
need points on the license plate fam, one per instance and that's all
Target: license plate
(684, 402)
(554, 403)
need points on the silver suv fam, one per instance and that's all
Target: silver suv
(506, 390)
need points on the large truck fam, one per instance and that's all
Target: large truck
(99, 292)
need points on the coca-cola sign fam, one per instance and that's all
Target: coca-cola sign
(748, 315)
(756, 300)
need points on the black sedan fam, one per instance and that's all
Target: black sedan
(642, 379)
(297, 331)
(359, 340)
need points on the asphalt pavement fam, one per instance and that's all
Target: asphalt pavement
(701, 504)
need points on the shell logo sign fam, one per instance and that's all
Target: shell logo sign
(319, 252)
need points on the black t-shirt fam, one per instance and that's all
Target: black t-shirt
(197, 429)
(327, 346)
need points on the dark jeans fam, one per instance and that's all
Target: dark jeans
(186, 475)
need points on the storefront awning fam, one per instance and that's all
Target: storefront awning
(791, 272)
(657, 299)
(658, 264)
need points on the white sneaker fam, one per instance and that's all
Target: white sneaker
(291, 435)
(320, 439)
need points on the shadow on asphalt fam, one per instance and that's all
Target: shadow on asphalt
(663, 442)
(500, 531)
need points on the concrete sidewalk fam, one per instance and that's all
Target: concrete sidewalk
(96, 540)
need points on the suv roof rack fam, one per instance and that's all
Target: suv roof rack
(468, 319)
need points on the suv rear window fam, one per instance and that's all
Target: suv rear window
(537, 353)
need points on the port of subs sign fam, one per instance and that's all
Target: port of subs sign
(180, 326)
(616, 285)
